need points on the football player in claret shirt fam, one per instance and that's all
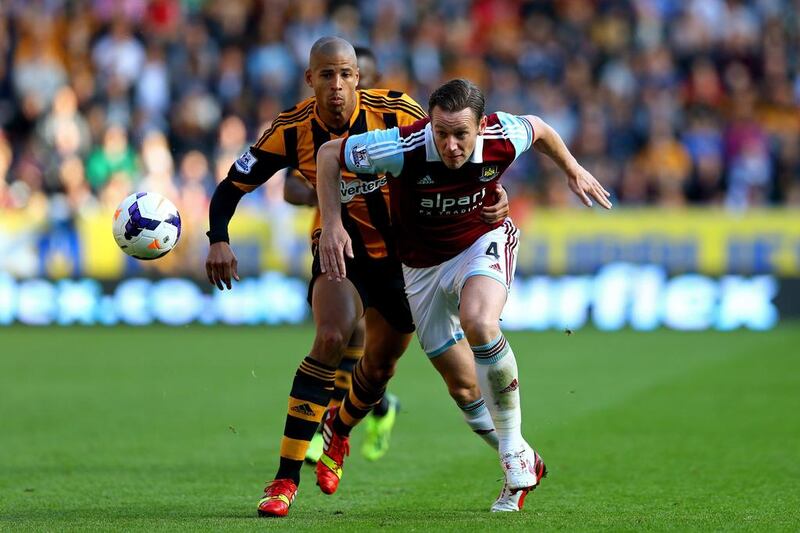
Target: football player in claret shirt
(374, 286)
(458, 269)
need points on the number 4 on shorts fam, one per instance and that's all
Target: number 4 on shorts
(492, 250)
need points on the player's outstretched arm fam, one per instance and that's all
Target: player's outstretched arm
(221, 263)
(580, 181)
(253, 168)
(334, 241)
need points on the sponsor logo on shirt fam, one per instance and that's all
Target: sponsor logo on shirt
(246, 162)
(450, 205)
(489, 173)
(349, 189)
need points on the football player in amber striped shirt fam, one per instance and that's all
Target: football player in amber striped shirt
(379, 423)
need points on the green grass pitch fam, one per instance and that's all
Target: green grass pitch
(162, 429)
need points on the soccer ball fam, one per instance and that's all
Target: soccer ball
(146, 225)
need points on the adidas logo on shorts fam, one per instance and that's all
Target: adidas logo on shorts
(496, 266)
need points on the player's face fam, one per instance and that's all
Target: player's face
(368, 73)
(455, 135)
(334, 79)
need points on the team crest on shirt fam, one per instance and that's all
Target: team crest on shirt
(489, 173)
(246, 162)
(359, 157)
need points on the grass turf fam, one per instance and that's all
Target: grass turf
(161, 429)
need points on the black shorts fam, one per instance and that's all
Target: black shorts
(380, 285)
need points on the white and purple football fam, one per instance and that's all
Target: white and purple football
(146, 225)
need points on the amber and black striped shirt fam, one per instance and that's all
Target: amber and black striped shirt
(292, 141)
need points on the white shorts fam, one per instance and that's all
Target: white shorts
(434, 292)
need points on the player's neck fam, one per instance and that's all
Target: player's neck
(337, 121)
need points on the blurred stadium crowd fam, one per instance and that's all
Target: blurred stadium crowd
(667, 102)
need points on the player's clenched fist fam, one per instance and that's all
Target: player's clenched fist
(221, 265)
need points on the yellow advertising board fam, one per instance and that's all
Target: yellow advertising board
(692, 240)
(574, 241)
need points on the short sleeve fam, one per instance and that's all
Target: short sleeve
(517, 130)
(272, 141)
(260, 162)
(374, 152)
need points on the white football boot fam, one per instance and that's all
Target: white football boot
(508, 501)
(523, 469)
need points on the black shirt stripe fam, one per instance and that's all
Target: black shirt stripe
(390, 119)
(351, 226)
(414, 111)
(321, 136)
(376, 203)
(410, 108)
(281, 121)
(290, 141)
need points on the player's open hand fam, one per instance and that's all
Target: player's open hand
(333, 244)
(584, 185)
(499, 211)
(221, 265)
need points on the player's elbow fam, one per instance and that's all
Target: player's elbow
(330, 151)
(228, 190)
(294, 199)
(294, 191)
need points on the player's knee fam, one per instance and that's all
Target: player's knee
(479, 330)
(381, 372)
(464, 393)
(330, 343)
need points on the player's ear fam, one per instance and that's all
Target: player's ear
(308, 78)
(482, 124)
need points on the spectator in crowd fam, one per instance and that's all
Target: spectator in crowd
(670, 103)
(115, 157)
